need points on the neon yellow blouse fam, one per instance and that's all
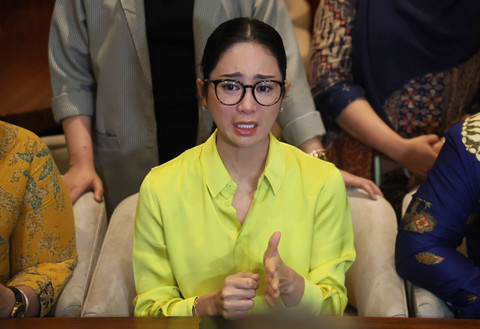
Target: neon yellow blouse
(37, 237)
(188, 237)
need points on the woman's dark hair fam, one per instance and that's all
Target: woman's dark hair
(242, 29)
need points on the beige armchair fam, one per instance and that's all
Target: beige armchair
(90, 226)
(374, 287)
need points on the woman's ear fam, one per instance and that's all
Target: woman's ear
(287, 88)
(201, 91)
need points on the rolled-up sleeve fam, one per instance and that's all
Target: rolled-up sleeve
(72, 77)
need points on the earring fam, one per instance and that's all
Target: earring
(281, 108)
(204, 108)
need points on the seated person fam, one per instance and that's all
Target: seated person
(242, 223)
(442, 212)
(37, 233)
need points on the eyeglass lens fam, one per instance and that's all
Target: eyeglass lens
(265, 92)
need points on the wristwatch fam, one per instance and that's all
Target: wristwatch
(20, 306)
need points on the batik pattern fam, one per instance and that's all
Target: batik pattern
(428, 104)
(428, 258)
(37, 238)
(417, 219)
(471, 135)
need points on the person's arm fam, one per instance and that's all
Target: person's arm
(332, 249)
(71, 69)
(7, 301)
(157, 292)
(81, 175)
(350, 180)
(434, 225)
(416, 154)
(323, 290)
(42, 244)
(342, 102)
(74, 92)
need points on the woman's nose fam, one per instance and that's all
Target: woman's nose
(248, 103)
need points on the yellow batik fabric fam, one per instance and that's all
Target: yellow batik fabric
(37, 233)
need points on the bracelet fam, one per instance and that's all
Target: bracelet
(194, 307)
(21, 303)
(27, 303)
(319, 154)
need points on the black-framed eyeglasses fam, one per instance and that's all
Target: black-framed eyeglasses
(265, 92)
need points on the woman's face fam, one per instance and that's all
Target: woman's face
(246, 124)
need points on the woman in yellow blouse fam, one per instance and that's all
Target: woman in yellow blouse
(37, 237)
(242, 223)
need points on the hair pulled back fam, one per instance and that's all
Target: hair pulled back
(238, 30)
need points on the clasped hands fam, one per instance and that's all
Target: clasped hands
(234, 299)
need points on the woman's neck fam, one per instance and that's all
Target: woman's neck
(245, 165)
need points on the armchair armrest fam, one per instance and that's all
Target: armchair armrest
(112, 289)
(90, 226)
(374, 287)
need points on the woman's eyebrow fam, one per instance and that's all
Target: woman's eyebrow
(232, 75)
(263, 77)
(239, 75)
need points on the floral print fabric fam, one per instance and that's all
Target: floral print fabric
(37, 237)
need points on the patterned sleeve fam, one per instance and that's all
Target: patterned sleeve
(42, 244)
(330, 75)
(443, 212)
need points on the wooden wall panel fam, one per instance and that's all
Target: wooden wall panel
(25, 91)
